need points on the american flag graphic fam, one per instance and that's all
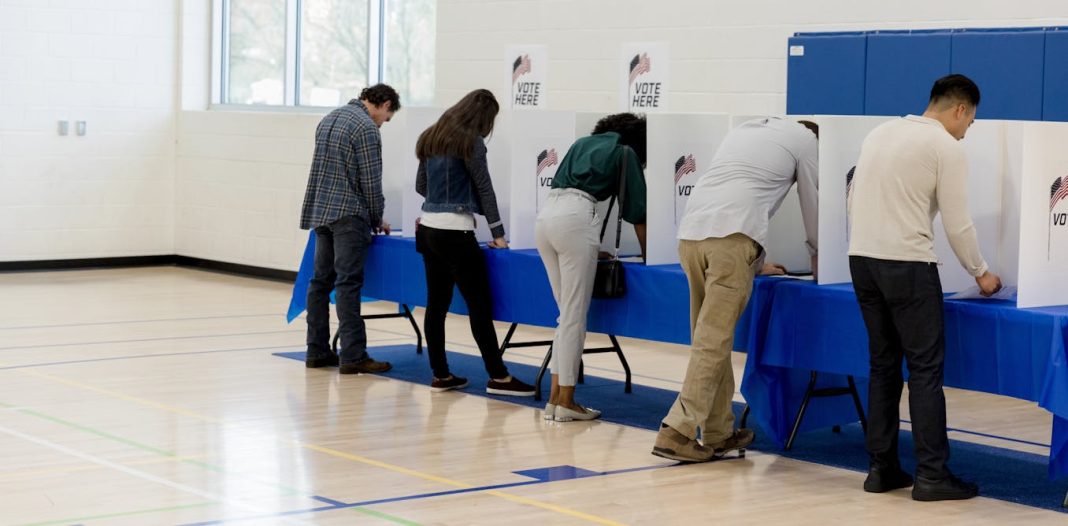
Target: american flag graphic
(520, 67)
(546, 159)
(685, 165)
(849, 180)
(638, 65)
(1057, 191)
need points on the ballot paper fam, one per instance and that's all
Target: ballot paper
(972, 293)
(802, 277)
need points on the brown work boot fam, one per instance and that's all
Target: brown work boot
(367, 365)
(672, 445)
(738, 440)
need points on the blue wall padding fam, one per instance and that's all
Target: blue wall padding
(1022, 72)
(829, 77)
(1008, 67)
(1055, 94)
(901, 66)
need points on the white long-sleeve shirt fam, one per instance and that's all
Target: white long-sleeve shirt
(909, 170)
(748, 180)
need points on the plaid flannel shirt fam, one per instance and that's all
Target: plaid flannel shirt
(346, 171)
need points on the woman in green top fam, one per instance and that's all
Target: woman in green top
(567, 233)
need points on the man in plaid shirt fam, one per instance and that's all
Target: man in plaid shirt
(343, 205)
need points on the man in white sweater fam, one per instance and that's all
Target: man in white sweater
(909, 170)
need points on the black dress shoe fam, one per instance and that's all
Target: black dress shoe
(883, 480)
(949, 488)
(326, 360)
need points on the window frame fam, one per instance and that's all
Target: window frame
(220, 60)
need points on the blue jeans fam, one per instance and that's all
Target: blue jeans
(340, 251)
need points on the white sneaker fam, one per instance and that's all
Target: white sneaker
(564, 414)
(550, 412)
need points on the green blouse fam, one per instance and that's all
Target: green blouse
(592, 165)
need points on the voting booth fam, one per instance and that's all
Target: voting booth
(993, 205)
(1043, 215)
(990, 176)
(416, 120)
(680, 148)
(399, 167)
(840, 141)
(786, 228)
(539, 141)
(395, 175)
(629, 246)
(995, 160)
(499, 158)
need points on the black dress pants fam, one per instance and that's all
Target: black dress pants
(901, 302)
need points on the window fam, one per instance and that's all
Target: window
(409, 49)
(257, 52)
(323, 52)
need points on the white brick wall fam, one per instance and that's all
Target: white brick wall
(726, 56)
(240, 184)
(112, 64)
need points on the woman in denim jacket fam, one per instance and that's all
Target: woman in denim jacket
(454, 178)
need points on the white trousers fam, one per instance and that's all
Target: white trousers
(567, 234)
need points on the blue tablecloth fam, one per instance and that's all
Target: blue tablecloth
(790, 327)
(991, 346)
(655, 307)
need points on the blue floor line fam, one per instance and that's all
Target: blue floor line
(331, 502)
(338, 505)
(987, 435)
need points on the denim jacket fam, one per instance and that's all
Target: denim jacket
(451, 184)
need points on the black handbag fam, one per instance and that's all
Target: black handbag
(610, 281)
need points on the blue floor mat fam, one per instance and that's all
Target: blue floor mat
(1001, 473)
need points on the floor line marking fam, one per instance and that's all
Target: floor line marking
(139, 356)
(142, 340)
(120, 514)
(122, 396)
(123, 322)
(129, 471)
(385, 516)
(75, 468)
(420, 496)
(339, 454)
(167, 455)
(449, 482)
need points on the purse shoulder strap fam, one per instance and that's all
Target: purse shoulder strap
(621, 193)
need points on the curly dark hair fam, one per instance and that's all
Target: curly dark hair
(631, 129)
(380, 94)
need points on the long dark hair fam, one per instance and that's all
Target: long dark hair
(631, 129)
(459, 127)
